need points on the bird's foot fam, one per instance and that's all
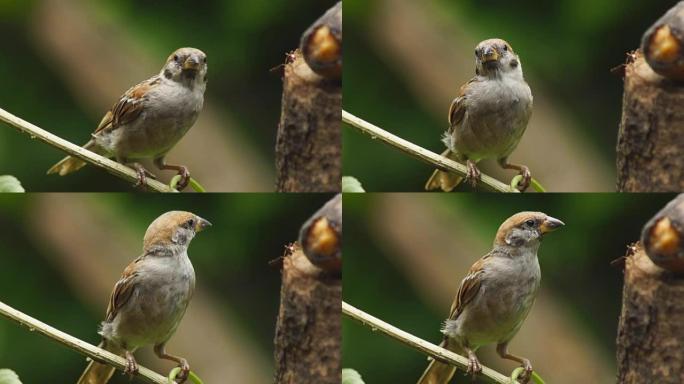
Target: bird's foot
(131, 365)
(474, 367)
(184, 372)
(143, 174)
(185, 178)
(474, 174)
(526, 179)
(524, 377)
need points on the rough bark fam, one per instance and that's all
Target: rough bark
(309, 141)
(650, 143)
(308, 337)
(650, 341)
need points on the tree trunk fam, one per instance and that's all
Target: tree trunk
(650, 141)
(308, 341)
(309, 142)
(650, 341)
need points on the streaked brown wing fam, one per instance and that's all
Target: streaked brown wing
(470, 285)
(129, 106)
(457, 108)
(123, 289)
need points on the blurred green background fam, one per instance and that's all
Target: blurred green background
(62, 253)
(406, 60)
(65, 62)
(407, 253)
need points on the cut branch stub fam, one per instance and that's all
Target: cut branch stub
(321, 236)
(663, 236)
(650, 340)
(650, 141)
(309, 140)
(308, 338)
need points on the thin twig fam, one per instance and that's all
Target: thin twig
(419, 152)
(55, 141)
(419, 344)
(80, 346)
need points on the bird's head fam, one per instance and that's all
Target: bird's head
(525, 229)
(186, 65)
(173, 230)
(495, 57)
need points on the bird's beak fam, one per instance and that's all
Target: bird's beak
(202, 224)
(550, 224)
(489, 54)
(192, 63)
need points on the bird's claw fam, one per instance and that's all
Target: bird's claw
(184, 372)
(473, 175)
(131, 365)
(474, 367)
(526, 179)
(143, 174)
(526, 375)
(185, 178)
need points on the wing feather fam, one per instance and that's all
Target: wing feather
(129, 106)
(123, 290)
(457, 109)
(470, 286)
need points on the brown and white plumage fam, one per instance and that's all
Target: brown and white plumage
(150, 117)
(149, 300)
(488, 117)
(495, 296)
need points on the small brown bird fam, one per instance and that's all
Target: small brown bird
(489, 116)
(495, 296)
(150, 299)
(150, 118)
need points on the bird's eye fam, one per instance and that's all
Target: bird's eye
(529, 223)
(205, 59)
(475, 51)
(505, 47)
(191, 223)
(175, 57)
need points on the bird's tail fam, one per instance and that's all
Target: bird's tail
(71, 164)
(97, 373)
(438, 372)
(446, 181)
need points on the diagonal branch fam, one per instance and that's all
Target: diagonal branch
(419, 344)
(80, 346)
(116, 169)
(419, 152)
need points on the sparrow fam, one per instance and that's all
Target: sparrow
(149, 300)
(489, 116)
(495, 296)
(150, 118)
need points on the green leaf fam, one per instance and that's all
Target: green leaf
(351, 185)
(196, 185)
(537, 187)
(7, 376)
(174, 181)
(514, 184)
(194, 379)
(10, 184)
(533, 182)
(350, 376)
(536, 379)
